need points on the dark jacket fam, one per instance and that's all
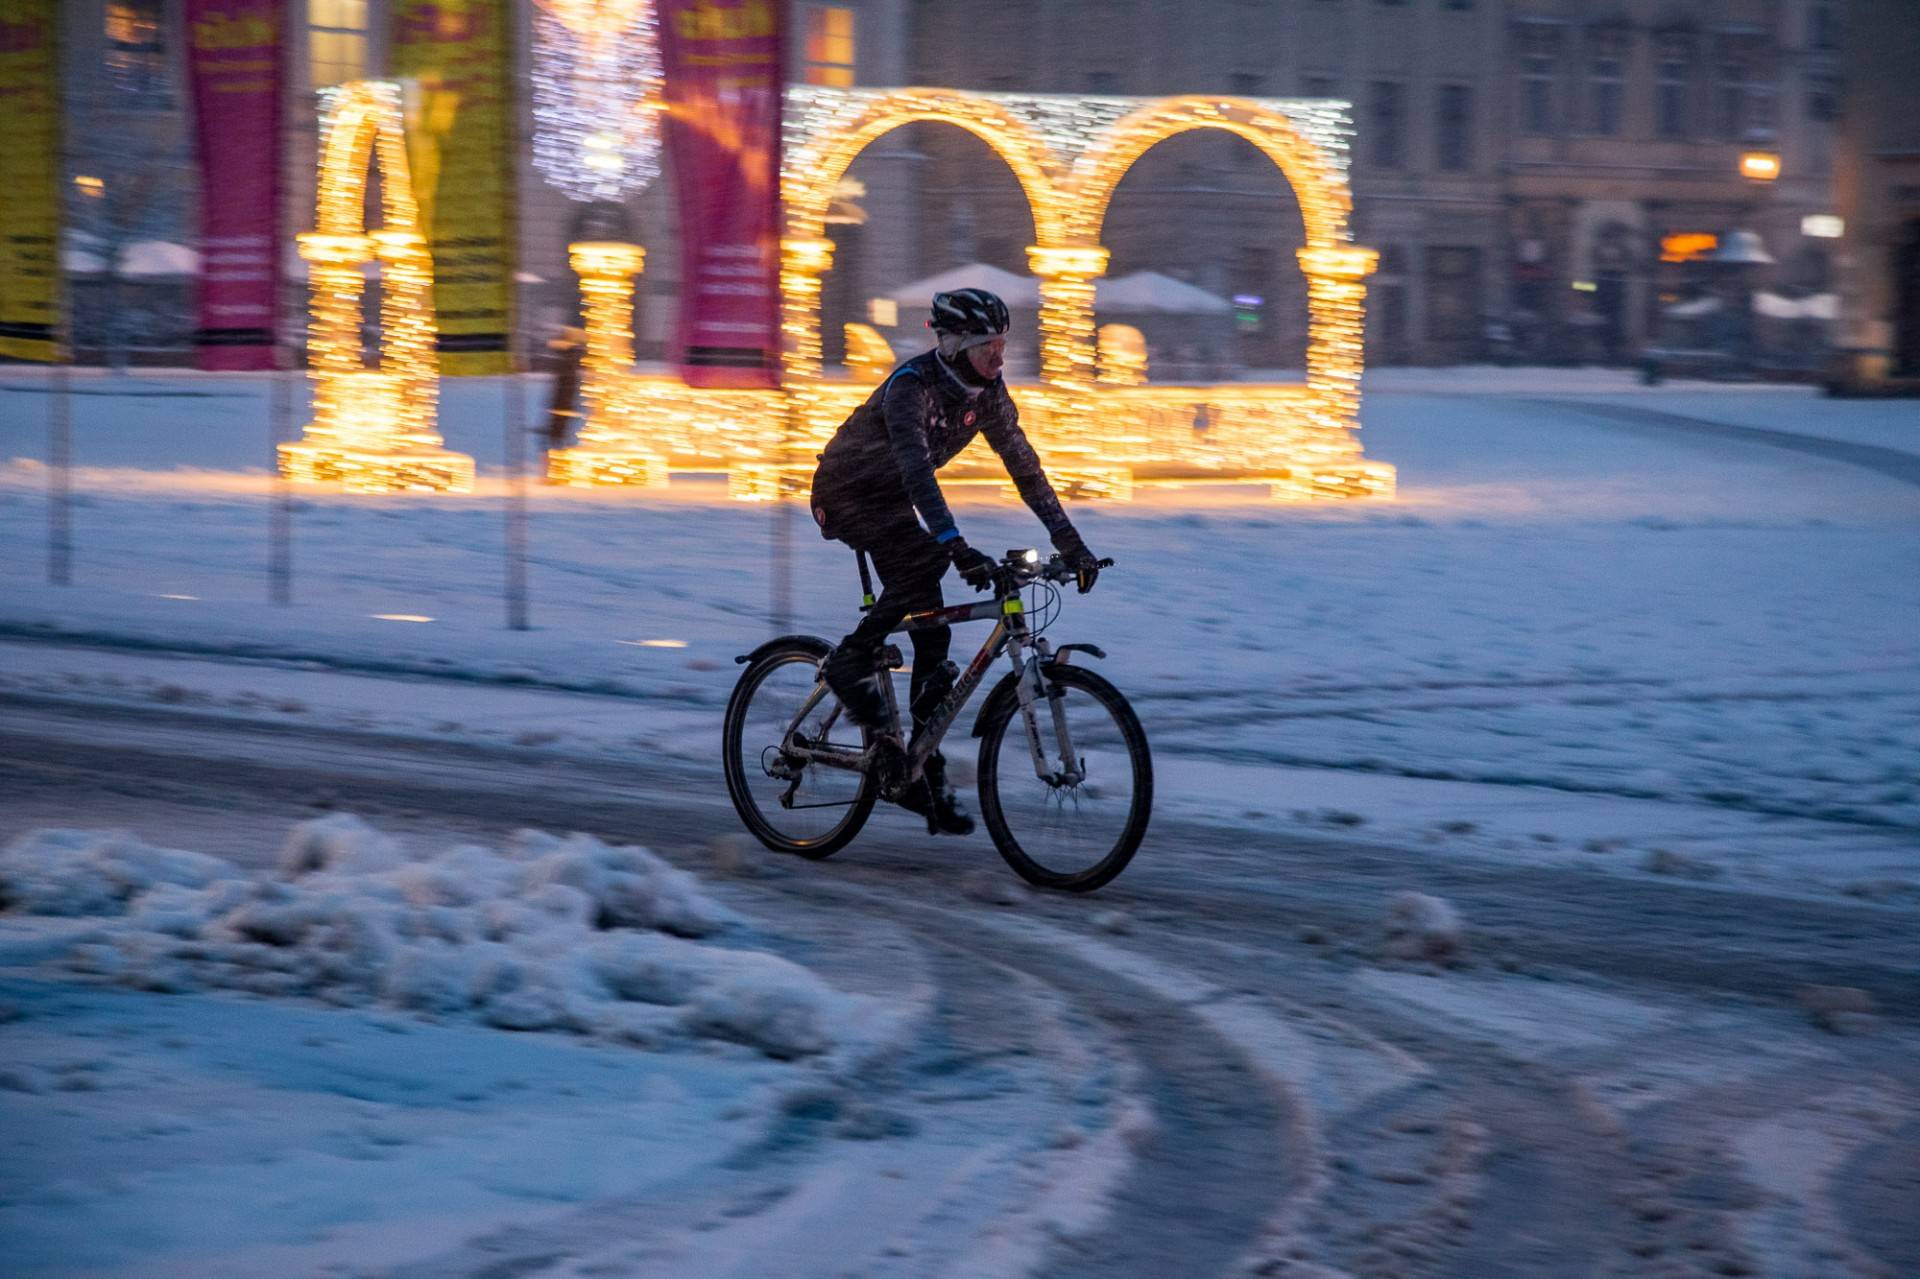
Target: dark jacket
(914, 423)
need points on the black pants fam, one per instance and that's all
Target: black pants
(910, 564)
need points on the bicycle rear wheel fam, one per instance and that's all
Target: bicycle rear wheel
(1074, 836)
(790, 805)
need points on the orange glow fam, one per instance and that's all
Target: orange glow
(1688, 246)
(1759, 166)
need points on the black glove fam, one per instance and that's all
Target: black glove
(976, 568)
(1075, 555)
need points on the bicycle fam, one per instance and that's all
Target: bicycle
(1066, 798)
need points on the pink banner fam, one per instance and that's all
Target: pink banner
(723, 90)
(236, 61)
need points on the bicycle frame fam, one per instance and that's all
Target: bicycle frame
(1010, 635)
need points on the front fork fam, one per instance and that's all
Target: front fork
(1035, 693)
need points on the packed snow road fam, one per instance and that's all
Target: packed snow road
(1258, 1052)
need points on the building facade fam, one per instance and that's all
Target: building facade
(1878, 183)
(1543, 179)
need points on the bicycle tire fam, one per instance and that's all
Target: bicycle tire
(741, 771)
(1140, 771)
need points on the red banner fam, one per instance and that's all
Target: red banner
(236, 60)
(722, 60)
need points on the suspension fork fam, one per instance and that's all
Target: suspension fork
(1032, 689)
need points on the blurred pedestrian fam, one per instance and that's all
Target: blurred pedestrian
(563, 414)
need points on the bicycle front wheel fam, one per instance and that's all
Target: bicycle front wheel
(790, 804)
(1072, 835)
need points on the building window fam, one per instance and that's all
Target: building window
(1673, 90)
(830, 47)
(1453, 294)
(1388, 117)
(1606, 58)
(1539, 68)
(336, 41)
(1743, 96)
(1453, 135)
(136, 53)
(1246, 84)
(1823, 98)
(1823, 26)
(1318, 86)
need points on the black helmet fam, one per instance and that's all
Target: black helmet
(968, 311)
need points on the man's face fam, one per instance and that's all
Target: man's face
(988, 358)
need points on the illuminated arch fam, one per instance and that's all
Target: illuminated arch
(1325, 202)
(811, 174)
(1334, 267)
(373, 428)
(826, 148)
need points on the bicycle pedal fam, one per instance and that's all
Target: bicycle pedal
(890, 658)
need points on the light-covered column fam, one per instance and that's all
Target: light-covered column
(335, 285)
(1336, 300)
(606, 269)
(373, 429)
(802, 262)
(408, 341)
(1330, 465)
(1067, 353)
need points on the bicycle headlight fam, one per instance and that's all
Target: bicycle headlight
(1028, 556)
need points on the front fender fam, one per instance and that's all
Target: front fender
(811, 643)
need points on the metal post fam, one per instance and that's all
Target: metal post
(59, 472)
(782, 568)
(514, 394)
(59, 407)
(516, 427)
(280, 500)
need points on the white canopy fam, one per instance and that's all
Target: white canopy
(1150, 291)
(158, 259)
(1021, 292)
(1820, 306)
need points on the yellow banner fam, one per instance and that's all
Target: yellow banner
(458, 144)
(30, 179)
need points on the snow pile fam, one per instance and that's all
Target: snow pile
(550, 934)
(74, 872)
(1422, 927)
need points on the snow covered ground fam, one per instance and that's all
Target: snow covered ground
(1581, 638)
(1559, 611)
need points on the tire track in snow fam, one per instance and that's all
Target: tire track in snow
(1892, 463)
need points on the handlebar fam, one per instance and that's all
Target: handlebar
(1020, 567)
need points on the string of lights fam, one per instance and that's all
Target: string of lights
(597, 104)
(372, 429)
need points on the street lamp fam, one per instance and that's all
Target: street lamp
(1759, 158)
(1759, 166)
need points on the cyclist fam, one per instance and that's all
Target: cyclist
(878, 472)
